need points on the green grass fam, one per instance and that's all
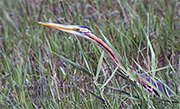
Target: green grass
(46, 68)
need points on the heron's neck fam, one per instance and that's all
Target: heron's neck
(104, 46)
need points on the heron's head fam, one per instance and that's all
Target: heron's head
(78, 30)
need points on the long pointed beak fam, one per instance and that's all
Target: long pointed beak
(66, 28)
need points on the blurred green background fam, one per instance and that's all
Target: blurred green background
(42, 67)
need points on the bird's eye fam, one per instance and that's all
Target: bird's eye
(77, 29)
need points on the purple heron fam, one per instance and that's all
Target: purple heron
(85, 32)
